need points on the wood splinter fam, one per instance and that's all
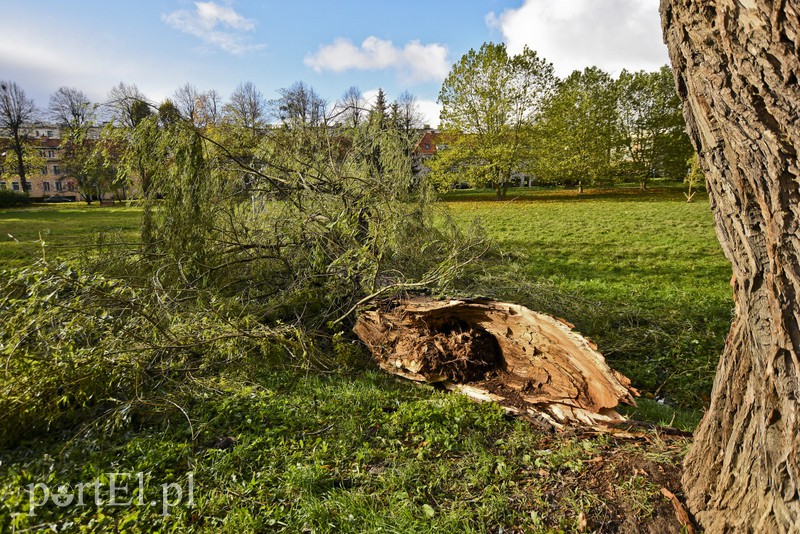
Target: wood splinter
(530, 363)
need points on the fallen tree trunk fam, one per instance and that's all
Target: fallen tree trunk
(528, 362)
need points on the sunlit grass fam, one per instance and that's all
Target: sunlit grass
(63, 230)
(641, 272)
(356, 450)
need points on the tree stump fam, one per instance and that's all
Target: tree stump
(528, 362)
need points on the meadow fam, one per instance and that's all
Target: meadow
(271, 448)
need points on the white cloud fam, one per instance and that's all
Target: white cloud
(216, 25)
(430, 110)
(416, 62)
(574, 34)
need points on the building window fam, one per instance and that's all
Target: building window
(50, 154)
(44, 170)
(15, 186)
(3, 185)
(56, 170)
(49, 133)
(46, 186)
(58, 186)
(70, 186)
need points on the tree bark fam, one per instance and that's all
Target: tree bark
(21, 170)
(736, 67)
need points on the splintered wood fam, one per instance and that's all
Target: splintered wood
(530, 363)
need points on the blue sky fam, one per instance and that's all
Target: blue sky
(330, 44)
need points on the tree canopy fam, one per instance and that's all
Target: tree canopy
(489, 101)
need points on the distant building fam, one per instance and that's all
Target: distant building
(50, 180)
(424, 150)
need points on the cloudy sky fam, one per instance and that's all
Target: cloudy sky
(401, 46)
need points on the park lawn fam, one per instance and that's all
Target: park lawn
(641, 272)
(271, 448)
(64, 229)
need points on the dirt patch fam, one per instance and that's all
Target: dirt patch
(619, 490)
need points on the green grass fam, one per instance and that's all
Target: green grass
(640, 272)
(277, 449)
(337, 453)
(65, 230)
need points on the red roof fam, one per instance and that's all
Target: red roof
(427, 145)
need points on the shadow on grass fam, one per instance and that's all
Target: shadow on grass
(542, 194)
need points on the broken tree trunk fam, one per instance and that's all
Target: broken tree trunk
(529, 362)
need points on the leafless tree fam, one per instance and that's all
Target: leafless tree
(209, 108)
(351, 110)
(247, 106)
(127, 104)
(187, 100)
(16, 112)
(409, 116)
(70, 108)
(300, 104)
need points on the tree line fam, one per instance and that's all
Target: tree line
(96, 136)
(507, 117)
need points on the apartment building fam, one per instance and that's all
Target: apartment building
(49, 180)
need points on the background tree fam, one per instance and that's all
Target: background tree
(17, 112)
(75, 114)
(378, 112)
(490, 101)
(736, 68)
(129, 108)
(187, 100)
(577, 134)
(209, 109)
(407, 117)
(127, 105)
(300, 104)
(351, 109)
(71, 109)
(246, 107)
(653, 137)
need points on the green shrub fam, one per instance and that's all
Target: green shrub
(11, 199)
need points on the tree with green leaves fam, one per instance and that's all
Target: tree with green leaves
(652, 130)
(578, 133)
(17, 111)
(129, 109)
(490, 102)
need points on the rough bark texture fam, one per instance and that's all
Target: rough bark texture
(531, 363)
(736, 67)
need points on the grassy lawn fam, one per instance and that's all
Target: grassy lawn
(274, 449)
(64, 229)
(640, 272)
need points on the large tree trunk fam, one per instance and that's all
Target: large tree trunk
(20, 162)
(736, 67)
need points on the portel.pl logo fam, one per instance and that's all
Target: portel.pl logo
(119, 490)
